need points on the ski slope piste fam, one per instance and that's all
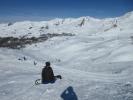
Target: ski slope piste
(96, 63)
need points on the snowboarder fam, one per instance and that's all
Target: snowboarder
(47, 74)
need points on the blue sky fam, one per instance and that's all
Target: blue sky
(15, 10)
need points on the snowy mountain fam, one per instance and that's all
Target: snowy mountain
(97, 62)
(83, 25)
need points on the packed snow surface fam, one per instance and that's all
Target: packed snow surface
(96, 63)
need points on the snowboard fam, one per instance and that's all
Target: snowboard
(38, 81)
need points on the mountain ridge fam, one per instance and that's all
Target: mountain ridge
(80, 25)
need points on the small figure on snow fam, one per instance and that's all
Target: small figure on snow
(35, 63)
(48, 75)
(24, 58)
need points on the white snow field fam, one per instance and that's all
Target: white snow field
(96, 63)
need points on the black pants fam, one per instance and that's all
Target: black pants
(51, 81)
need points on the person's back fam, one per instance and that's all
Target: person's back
(47, 73)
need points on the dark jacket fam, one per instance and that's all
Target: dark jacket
(47, 74)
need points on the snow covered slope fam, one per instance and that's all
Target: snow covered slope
(97, 62)
(83, 25)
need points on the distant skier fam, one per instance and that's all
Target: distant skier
(48, 75)
(24, 58)
(35, 63)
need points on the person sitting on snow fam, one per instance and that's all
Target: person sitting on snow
(47, 74)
